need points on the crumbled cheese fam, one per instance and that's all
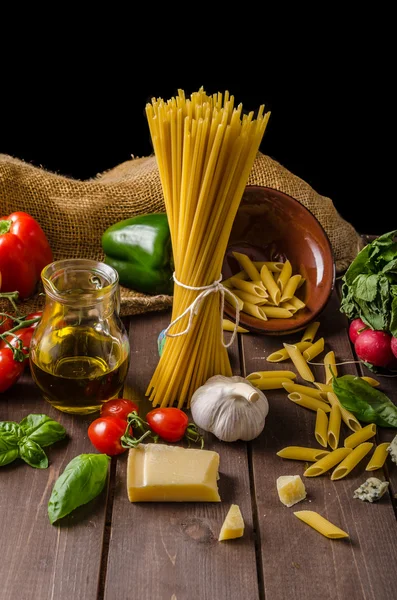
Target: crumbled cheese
(290, 489)
(371, 490)
(392, 449)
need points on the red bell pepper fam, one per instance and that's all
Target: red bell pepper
(24, 252)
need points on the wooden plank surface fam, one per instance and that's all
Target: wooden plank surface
(167, 551)
(41, 561)
(297, 562)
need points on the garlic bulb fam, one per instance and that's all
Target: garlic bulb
(229, 407)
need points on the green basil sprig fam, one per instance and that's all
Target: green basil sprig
(26, 439)
(365, 402)
(81, 481)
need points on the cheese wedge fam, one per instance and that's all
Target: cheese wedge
(233, 525)
(163, 473)
(291, 489)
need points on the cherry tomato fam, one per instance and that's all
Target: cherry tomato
(169, 423)
(24, 335)
(5, 323)
(10, 369)
(105, 434)
(119, 407)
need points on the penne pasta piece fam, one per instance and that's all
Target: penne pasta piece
(229, 300)
(290, 288)
(284, 275)
(373, 382)
(292, 309)
(270, 285)
(347, 417)
(325, 387)
(328, 462)
(358, 437)
(300, 364)
(334, 424)
(379, 457)
(291, 386)
(309, 402)
(254, 310)
(249, 286)
(247, 297)
(321, 428)
(314, 350)
(330, 366)
(275, 267)
(302, 281)
(310, 332)
(228, 325)
(299, 304)
(351, 461)
(239, 275)
(247, 265)
(302, 453)
(276, 312)
(285, 374)
(320, 524)
(268, 383)
(282, 354)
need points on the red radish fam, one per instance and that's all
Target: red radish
(393, 346)
(374, 347)
(356, 327)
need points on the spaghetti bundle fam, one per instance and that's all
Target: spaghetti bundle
(205, 148)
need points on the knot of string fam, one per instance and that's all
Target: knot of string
(194, 307)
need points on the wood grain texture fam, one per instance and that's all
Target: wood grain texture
(297, 562)
(168, 550)
(40, 560)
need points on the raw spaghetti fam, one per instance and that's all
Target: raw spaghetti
(205, 148)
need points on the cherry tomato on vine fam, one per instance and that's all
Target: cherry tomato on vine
(105, 434)
(5, 324)
(10, 369)
(169, 423)
(119, 407)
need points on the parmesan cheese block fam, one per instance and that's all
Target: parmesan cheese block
(233, 525)
(162, 473)
(291, 489)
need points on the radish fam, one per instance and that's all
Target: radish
(393, 345)
(374, 347)
(356, 327)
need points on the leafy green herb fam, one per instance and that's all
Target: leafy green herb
(81, 481)
(369, 288)
(26, 439)
(365, 402)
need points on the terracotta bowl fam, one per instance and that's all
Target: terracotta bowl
(272, 226)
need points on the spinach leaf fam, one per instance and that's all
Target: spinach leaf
(81, 481)
(42, 429)
(33, 454)
(10, 434)
(366, 403)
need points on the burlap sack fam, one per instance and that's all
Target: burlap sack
(74, 213)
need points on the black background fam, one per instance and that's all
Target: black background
(332, 119)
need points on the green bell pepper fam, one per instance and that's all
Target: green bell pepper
(140, 250)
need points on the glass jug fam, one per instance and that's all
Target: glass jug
(79, 354)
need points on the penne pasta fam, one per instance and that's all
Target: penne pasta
(315, 349)
(291, 386)
(330, 367)
(290, 288)
(254, 310)
(292, 309)
(309, 402)
(320, 524)
(297, 302)
(351, 461)
(347, 417)
(269, 383)
(228, 325)
(379, 457)
(334, 424)
(239, 275)
(276, 312)
(328, 462)
(284, 275)
(325, 387)
(270, 285)
(247, 265)
(247, 297)
(358, 437)
(302, 453)
(300, 364)
(240, 302)
(310, 332)
(249, 286)
(321, 428)
(285, 374)
(275, 267)
(282, 354)
(373, 382)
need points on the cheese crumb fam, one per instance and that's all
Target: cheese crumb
(392, 449)
(233, 525)
(371, 490)
(291, 489)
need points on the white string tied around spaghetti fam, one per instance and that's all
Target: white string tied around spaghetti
(194, 307)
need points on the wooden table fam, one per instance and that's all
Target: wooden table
(111, 549)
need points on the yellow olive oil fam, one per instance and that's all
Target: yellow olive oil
(77, 368)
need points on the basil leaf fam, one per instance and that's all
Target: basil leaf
(42, 429)
(10, 434)
(33, 454)
(367, 403)
(81, 481)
